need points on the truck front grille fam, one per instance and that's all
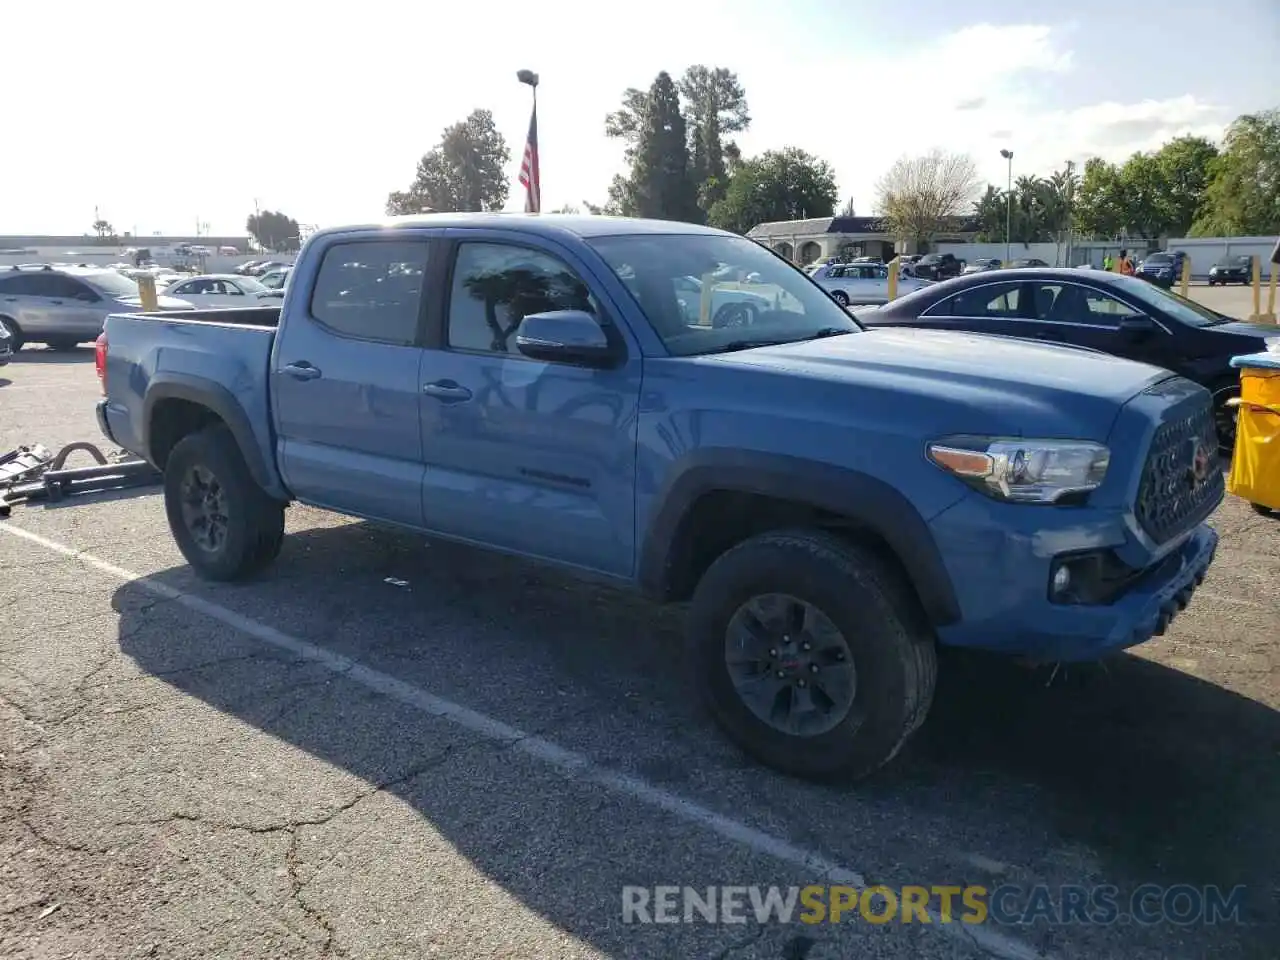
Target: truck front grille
(1182, 480)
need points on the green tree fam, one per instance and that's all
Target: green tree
(1185, 167)
(625, 123)
(660, 186)
(1099, 211)
(715, 104)
(787, 184)
(1243, 195)
(274, 231)
(465, 171)
(919, 194)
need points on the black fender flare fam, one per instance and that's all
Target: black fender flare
(220, 401)
(867, 501)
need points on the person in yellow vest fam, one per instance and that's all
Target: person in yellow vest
(1125, 265)
(1107, 263)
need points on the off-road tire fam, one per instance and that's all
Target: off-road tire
(867, 599)
(255, 521)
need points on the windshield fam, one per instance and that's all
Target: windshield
(1241, 261)
(1159, 258)
(111, 284)
(1179, 308)
(705, 293)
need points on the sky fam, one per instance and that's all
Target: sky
(163, 116)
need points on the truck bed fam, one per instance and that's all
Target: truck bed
(265, 317)
(216, 358)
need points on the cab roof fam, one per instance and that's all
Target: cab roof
(540, 224)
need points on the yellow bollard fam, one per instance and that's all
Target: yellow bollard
(147, 293)
(1270, 315)
(1186, 275)
(895, 265)
(1257, 289)
(704, 304)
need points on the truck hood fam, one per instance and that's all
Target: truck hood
(968, 382)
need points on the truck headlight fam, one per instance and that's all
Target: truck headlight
(1023, 471)
(1271, 344)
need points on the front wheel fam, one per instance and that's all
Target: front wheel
(1224, 418)
(226, 526)
(811, 653)
(840, 297)
(15, 334)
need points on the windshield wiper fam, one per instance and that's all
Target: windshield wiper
(826, 332)
(734, 345)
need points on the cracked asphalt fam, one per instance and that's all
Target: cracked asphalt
(324, 764)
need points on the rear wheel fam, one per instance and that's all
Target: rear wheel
(226, 526)
(62, 344)
(811, 653)
(840, 297)
(15, 333)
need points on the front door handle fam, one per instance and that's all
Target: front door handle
(58, 302)
(448, 391)
(302, 370)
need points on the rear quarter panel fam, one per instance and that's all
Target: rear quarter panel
(222, 366)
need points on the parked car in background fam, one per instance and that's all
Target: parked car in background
(1237, 269)
(938, 266)
(219, 290)
(831, 503)
(274, 279)
(266, 266)
(65, 306)
(1022, 263)
(6, 345)
(860, 283)
(1119, 315)
(245, 267)
(1161, 268)
(981, 265)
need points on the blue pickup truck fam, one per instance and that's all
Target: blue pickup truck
(831, 502)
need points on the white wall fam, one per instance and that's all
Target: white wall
(1203, 251)
(1050, 253)
(1206, 251)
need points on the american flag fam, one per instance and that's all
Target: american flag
(529, 177)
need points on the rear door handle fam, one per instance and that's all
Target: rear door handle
(302, 370)
(448, 391)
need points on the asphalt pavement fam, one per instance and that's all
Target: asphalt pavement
(393, 747)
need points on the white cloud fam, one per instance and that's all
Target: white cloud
(978, 90)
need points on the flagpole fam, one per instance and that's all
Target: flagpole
(531, 79)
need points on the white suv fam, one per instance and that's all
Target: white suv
(65, 306)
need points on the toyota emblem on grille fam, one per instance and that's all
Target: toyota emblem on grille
(1201, 462)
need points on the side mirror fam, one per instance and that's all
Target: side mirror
(565, 336)
(1137, 327)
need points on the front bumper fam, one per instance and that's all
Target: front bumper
(1002, 576)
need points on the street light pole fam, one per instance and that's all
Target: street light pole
(1071, 233)
(1008, 210)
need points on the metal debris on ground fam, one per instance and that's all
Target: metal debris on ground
(32, 473)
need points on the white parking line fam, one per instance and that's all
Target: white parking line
(575, 766)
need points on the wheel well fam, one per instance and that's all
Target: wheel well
(17, 326)
(171, 420)
(721, 519)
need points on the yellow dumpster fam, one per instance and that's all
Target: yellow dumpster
(1255, 464)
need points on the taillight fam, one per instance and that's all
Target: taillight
(100, 360)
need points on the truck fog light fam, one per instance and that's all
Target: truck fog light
(1061, 579)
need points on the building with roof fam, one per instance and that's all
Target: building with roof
(822, 238)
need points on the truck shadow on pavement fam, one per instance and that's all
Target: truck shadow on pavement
(1158, 776)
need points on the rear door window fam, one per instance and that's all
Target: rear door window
(372, 289)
